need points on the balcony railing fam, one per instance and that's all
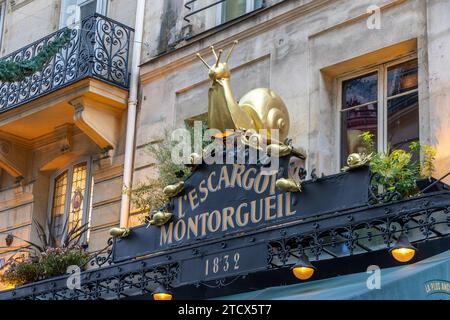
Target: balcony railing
(99, 48)
(356, 229)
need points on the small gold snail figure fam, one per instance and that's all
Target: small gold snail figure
(288, 185)
(259, 109)
(119, 232)
(174, 189)
(278, 150)
(194, 160)
(160, 218)
(356, 160)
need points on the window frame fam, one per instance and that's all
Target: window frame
(2, 20)
(249, 7)
(382, 101)
(86, 215)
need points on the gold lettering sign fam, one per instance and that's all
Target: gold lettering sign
(241, 181)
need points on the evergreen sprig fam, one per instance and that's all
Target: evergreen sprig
(13, 71)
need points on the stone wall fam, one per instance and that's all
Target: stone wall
(300, 49)
(21, 203)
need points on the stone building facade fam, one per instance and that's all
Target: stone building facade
(53, 146)
(341, 66)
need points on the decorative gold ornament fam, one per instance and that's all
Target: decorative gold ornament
(288, 185)
(194, 160)
(299, 153)
(278, 150)
(356, 160)
(252, 139)
(174, 189)
(119, 232)
(259, 109)
(160, 218)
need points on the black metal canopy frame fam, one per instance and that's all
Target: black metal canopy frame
(370, 228)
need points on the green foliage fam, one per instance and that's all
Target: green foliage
(368, 142)
(148, 195)
(53, 262)
(47, 259)
(396, 169)
(169, 172)
(12, 71)
(428, 158)
(21, 272)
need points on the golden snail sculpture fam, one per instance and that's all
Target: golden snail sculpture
(259, 109)
(174, 189)
(357, 160)
(160, 218)
(119, 232)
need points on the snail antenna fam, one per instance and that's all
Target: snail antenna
(231, 50)
(203, 60)
(214, 52)
(218, 58)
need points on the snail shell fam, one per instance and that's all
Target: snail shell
(174, 189)
(160, 218)
(267, 111)
(288, 185)
(119, 232)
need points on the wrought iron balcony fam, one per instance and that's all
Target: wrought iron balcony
(99, 48)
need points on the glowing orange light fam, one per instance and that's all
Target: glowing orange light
(403, 254)
(303, 269)
(162, 296)
(303, 273)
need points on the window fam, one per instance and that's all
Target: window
(2, 19)
(70, 199)
(383, 101)
(232, 9)
(74, 11)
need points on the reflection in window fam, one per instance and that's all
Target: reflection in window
(402, 78)
(359, 114)
(398, 112)
(232, 9)
(69, 197)
(77, 198)
(403, 105)
(74, 11)
(59, 205)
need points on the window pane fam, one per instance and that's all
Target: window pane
(232, 9)
(402, 78)
(77, 196)
(87, 9)
(403, 121)
(59, 202)
(360, 90)
(68, 12)
(354, 123)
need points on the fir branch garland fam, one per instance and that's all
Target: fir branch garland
(13, 71)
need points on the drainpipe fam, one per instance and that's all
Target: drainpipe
(131, 117)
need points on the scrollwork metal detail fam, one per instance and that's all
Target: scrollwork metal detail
(99, 48)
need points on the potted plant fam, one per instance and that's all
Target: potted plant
(46, 260)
